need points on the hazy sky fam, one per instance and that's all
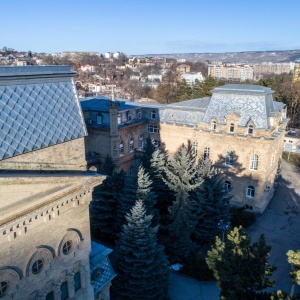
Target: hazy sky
(150, 27)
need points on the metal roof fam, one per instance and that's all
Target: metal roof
(38, 108)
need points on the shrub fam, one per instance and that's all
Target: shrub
(241, 217)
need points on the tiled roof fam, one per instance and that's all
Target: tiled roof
(38, 108)
(101, 269)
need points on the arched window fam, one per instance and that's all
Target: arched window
(141, 144)
(67, 247)
(64, 291)
(153, 114)
(37, 266)
(250, 191)
(131, 145)
(121, 149)
(50, 296)
(253, 162)
(3, 288)
(231, 127)
(229, 158)
(139, 113)
(194, 149)
(99, 118)
(227, 185)
(213, 125)
(129, 116)
(206, 152)
(250, 129)
(77, 281)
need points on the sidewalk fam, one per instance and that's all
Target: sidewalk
(185, 288)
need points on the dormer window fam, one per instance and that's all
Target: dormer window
(139, 114)
(250, 129)
(153, 114)
(129, 116)
(99, 118)
(213, 125)
(231, 127)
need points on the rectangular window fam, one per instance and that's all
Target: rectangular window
(153, 114)
(121, 149)
(131, 148)
(194, 149)
(229, 158)
(153, 129)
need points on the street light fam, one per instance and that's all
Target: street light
(223, 226)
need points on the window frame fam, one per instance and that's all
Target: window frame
(231, 127)
(206, 152)
(250, 129)
(99, 117)
(152, 128)
(253, 166)
(79, 286)
(4, 286)
(227, 185)
(213, 125)
(141, 142)
(194, 149)
(250, 193)
(38, 266)
(229, 158)
(66, 283)
(131, 145)
(67, 247)
(153, 114)
(121, 148)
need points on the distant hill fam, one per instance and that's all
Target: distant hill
(248, 57)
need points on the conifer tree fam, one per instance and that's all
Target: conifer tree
(141, 266)
(294, 260)
(104, 205)
(242, 270)
(137, 186)
(213, 208)
(109, 166)
(181, 175)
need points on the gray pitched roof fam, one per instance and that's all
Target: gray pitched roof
(38, 108)
(250, 102)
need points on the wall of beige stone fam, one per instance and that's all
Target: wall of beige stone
(64, 156)
(43, 237)
(243, 147)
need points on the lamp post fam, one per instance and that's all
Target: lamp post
(223, 226)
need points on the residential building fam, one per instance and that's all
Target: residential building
(191, 77)
(45, 242)
(230, 72)
(240, 128)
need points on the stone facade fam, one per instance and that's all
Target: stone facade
(239, 127)
(45, 241)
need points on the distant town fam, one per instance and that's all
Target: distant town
(162, 78)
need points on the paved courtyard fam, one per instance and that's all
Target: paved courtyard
(280, 223)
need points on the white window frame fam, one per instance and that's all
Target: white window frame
(253, 162)
(131, 145)
(119, 118)
(141, 142)
(206, 152)
(229, 158)
(129, 116)
(194, 150)
(250, 191)
(152, 128)
(227, 185)
(139, 114)
(121, 149)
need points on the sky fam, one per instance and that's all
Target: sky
(150, 27)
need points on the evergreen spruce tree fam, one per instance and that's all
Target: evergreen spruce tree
(140, 264)
(104, 205)
(181, 175)
(242, 270)
(213, 208)
(148, 150)
(184, 91)
(109, 166)
(294, 260)
(137, 186)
